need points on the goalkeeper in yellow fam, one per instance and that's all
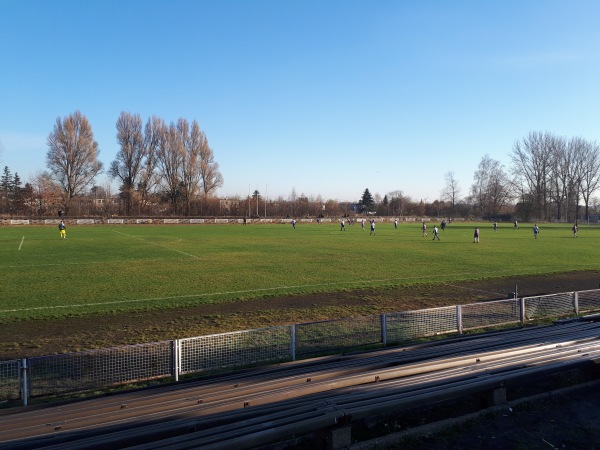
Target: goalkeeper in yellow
(62, 230)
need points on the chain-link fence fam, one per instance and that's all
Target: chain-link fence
(554, 305)
(332, 335)
(101, 369)
(486, 314)
(407, 325)
(588, 301)
(97, 369)
(235, 349)
(10, 380)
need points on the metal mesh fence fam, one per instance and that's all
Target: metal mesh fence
(235, 349)
(99, 368)
(485, 314)
(589, 300)
(10, 381)
(318, 337)
(425, 322)
(549, 305)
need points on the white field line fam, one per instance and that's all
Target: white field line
(21, 244)
(158, 245)
(209, 294)
(66, 263)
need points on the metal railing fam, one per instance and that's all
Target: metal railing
(46, 376)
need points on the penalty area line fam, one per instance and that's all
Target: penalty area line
(21, 244)
(158, 245)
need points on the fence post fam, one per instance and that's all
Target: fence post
(522, 310)
(293, 342)
(25, 381)
(384, 330)
(175, 359)
(459, 324)
(576, 302)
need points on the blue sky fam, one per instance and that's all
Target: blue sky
(320, 97)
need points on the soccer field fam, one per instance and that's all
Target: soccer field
(100, 269)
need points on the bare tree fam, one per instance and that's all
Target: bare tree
(590, 172)
(190, 174)
(531, 165)
(397, 200)
(198, 169)
(451, 190)
(499, 191)
(293, 200)
(170, 161)
(129, 161)
(184, 159)
(154, 132)
(574, 155)
(479, 186)
(553, 173)
(209, 169)
(491, 189)
(46, 192)
(560, 180)
(72, 156)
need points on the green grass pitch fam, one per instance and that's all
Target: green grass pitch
(118, 268)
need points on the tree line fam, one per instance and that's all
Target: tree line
(169, 169)
(551, 178)
(157, 164)
(176, 158)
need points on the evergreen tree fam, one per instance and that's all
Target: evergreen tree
(16, 185)
(366, 202)
(6, 182)
(385, 203)
(20, 196)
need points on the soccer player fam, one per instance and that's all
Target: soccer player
(424, 228)
(62, 230)
(476, 235)
(435, 233)
(536, 231)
